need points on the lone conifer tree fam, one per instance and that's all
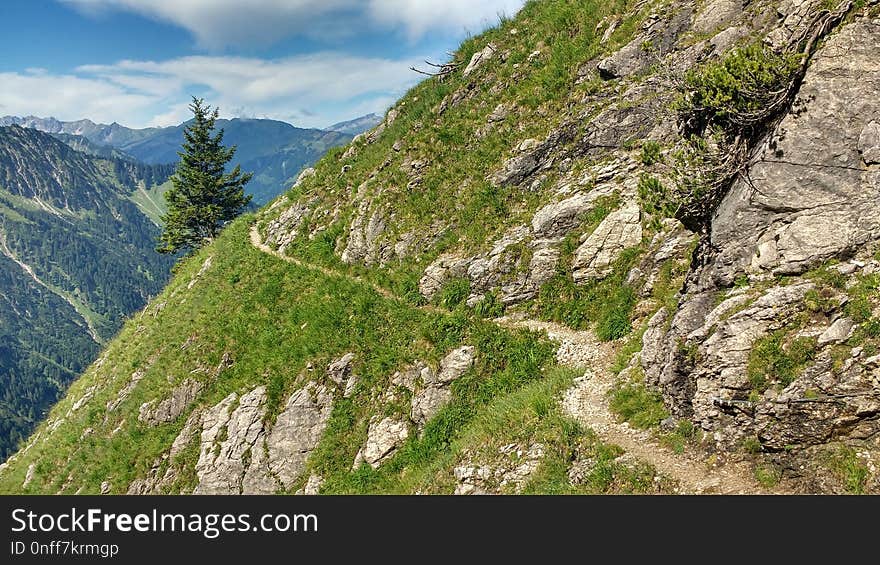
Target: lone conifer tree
(204, 197)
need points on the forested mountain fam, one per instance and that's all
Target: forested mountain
(76, 256)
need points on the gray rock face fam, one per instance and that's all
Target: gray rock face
(660, 33)
(434, 393)
(456, 364)
(383, 439)
(238, 454)
(809, 196)
(340, 372)
(228, 433)
(717, 14)
(364, 237)
(724, 355)
(620, 230)
(297, 431)
(167, 410)
(446, 267)
(480, 58)
(557, 219)
(838, 332)
(840, 404)
(281, 232)
(869, 143)
(427, 402)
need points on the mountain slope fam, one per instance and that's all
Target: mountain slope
(357, 126)
(584, 258)
(76, 257)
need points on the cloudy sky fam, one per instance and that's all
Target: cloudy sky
(308, 62)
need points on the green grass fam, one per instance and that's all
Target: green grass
(635, 403)
(778, 359)
(849, 469)
(452, 197)
(151, 201)
(767, 475)
(685, 434)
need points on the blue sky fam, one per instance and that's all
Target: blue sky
(307, 62)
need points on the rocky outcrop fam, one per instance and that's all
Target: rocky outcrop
(280, 232)
(230, 434)
(811, 193)
(364, 244)
(809, 196)
(480, 58)
(658, 36)
(622, 229)
(383, 438)
(169, 409)
(297, 431)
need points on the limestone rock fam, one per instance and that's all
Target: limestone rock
(456, 363)
(869, 143)
(838, 332)
(555, 220)
(383, 439)
(620, 230)
(280, 232)
(228, 433)
(297, 431)
(480, 57)
(717, 14)
(808, 198)
(427, 403)
(363, 243)
(340, 373)
(167, 410)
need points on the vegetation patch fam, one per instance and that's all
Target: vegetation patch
(778, 360)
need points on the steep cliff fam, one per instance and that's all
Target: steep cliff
(610, 247)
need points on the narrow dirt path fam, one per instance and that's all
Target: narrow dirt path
(257, 241)
(587, 400)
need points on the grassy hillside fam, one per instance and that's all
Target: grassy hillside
(277, 321)
(520, 203)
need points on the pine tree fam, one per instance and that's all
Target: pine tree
(204, 197)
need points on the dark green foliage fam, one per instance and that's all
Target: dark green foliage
(849, 468)
(651, 153)
(205, 197)
(655, 198)
(738, 91)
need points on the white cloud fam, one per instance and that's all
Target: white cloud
(69, 97)
(311, 90)
(218, 23)
(418, 17)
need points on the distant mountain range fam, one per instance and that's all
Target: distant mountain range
(274, 151)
